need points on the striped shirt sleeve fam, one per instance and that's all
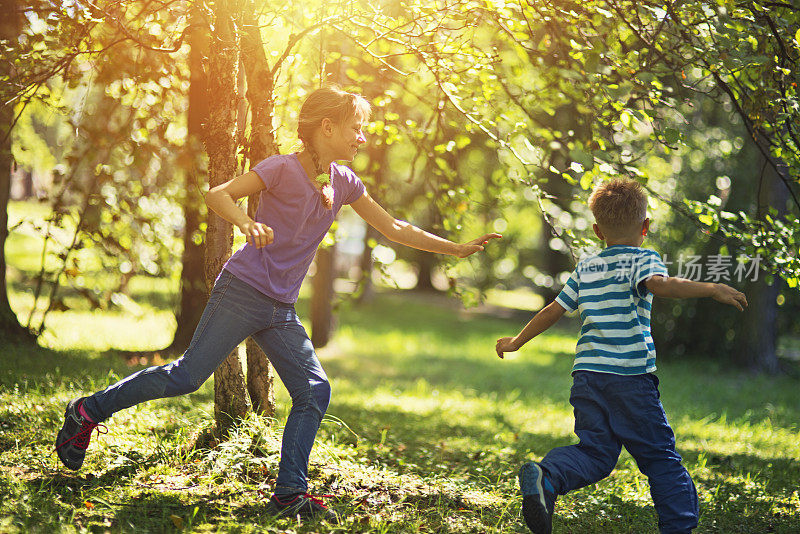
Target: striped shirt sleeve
(568, 298)
(646, 266)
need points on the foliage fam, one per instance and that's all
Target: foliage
(590, 90)
(490, 114)
(122, 106)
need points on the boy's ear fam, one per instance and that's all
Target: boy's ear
(645, 226)
(598, 232)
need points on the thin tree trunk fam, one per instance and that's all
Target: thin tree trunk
(260, 378)
(230, 396)
(261, 144)
(27, 184)
(193, 295)
(756, 339)
(377, 167)
(426, 262)
(322, 297)
(10, 27)
(366, 263)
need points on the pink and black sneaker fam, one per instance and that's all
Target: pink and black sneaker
(74, 436)
(302, 505)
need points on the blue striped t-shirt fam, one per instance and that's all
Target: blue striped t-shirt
(609, 292)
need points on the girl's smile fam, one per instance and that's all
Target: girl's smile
(350, 136)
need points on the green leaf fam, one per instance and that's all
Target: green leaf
(586, 181)
(581, 156)
(671, 136)
(706, 219)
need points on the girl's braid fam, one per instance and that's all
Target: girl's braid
(314, 157)
(327, 186)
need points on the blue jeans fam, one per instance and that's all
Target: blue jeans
(235, 311)
(615, 410)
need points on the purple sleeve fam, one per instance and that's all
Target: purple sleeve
(269, 170)
(353, 188)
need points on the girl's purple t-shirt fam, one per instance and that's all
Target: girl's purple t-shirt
(293, 208)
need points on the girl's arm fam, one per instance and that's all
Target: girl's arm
(409, 235)
(543, 320)
(222, 200)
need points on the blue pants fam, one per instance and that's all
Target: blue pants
(612, 411)
(235, 311)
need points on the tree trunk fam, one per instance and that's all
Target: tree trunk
(366, 263)
(261, 144)
(426, 263)
(377, 167)
(755, 342)
(27, 184)
(230, 397)
(554, 262)
(193, 296)
(322, 297)
(10, 329)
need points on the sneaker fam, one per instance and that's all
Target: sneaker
(74, 436)
(302, 505)
(538, 499)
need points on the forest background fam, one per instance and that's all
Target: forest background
(487, 116)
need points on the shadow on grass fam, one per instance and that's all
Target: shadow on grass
(159, 511)
(146, 509)
(748, 493)
(583, 513)
(493, 376)
(34, 369)
(409, 442)
(776, 475)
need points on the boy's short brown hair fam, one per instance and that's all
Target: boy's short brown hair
(619, 206)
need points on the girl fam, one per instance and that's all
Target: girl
(255, 292)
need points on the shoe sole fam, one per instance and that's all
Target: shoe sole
(536, 516)
(534, 509)
(63, 459)
(60, 451)
(281, 513)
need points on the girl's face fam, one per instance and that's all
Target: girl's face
(346, 138)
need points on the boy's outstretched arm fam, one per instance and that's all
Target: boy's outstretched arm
(543, 320)
(681, 288)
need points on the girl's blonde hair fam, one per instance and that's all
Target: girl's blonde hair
(619, 206)
(329, 102)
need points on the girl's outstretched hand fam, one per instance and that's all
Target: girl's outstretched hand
(476, 245)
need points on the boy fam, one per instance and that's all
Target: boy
(615, 393)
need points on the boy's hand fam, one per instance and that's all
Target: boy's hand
(728, 295)
(476, 245)
(505, 344)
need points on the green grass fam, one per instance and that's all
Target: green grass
(425, 432)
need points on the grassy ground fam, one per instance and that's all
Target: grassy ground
(425, 433)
